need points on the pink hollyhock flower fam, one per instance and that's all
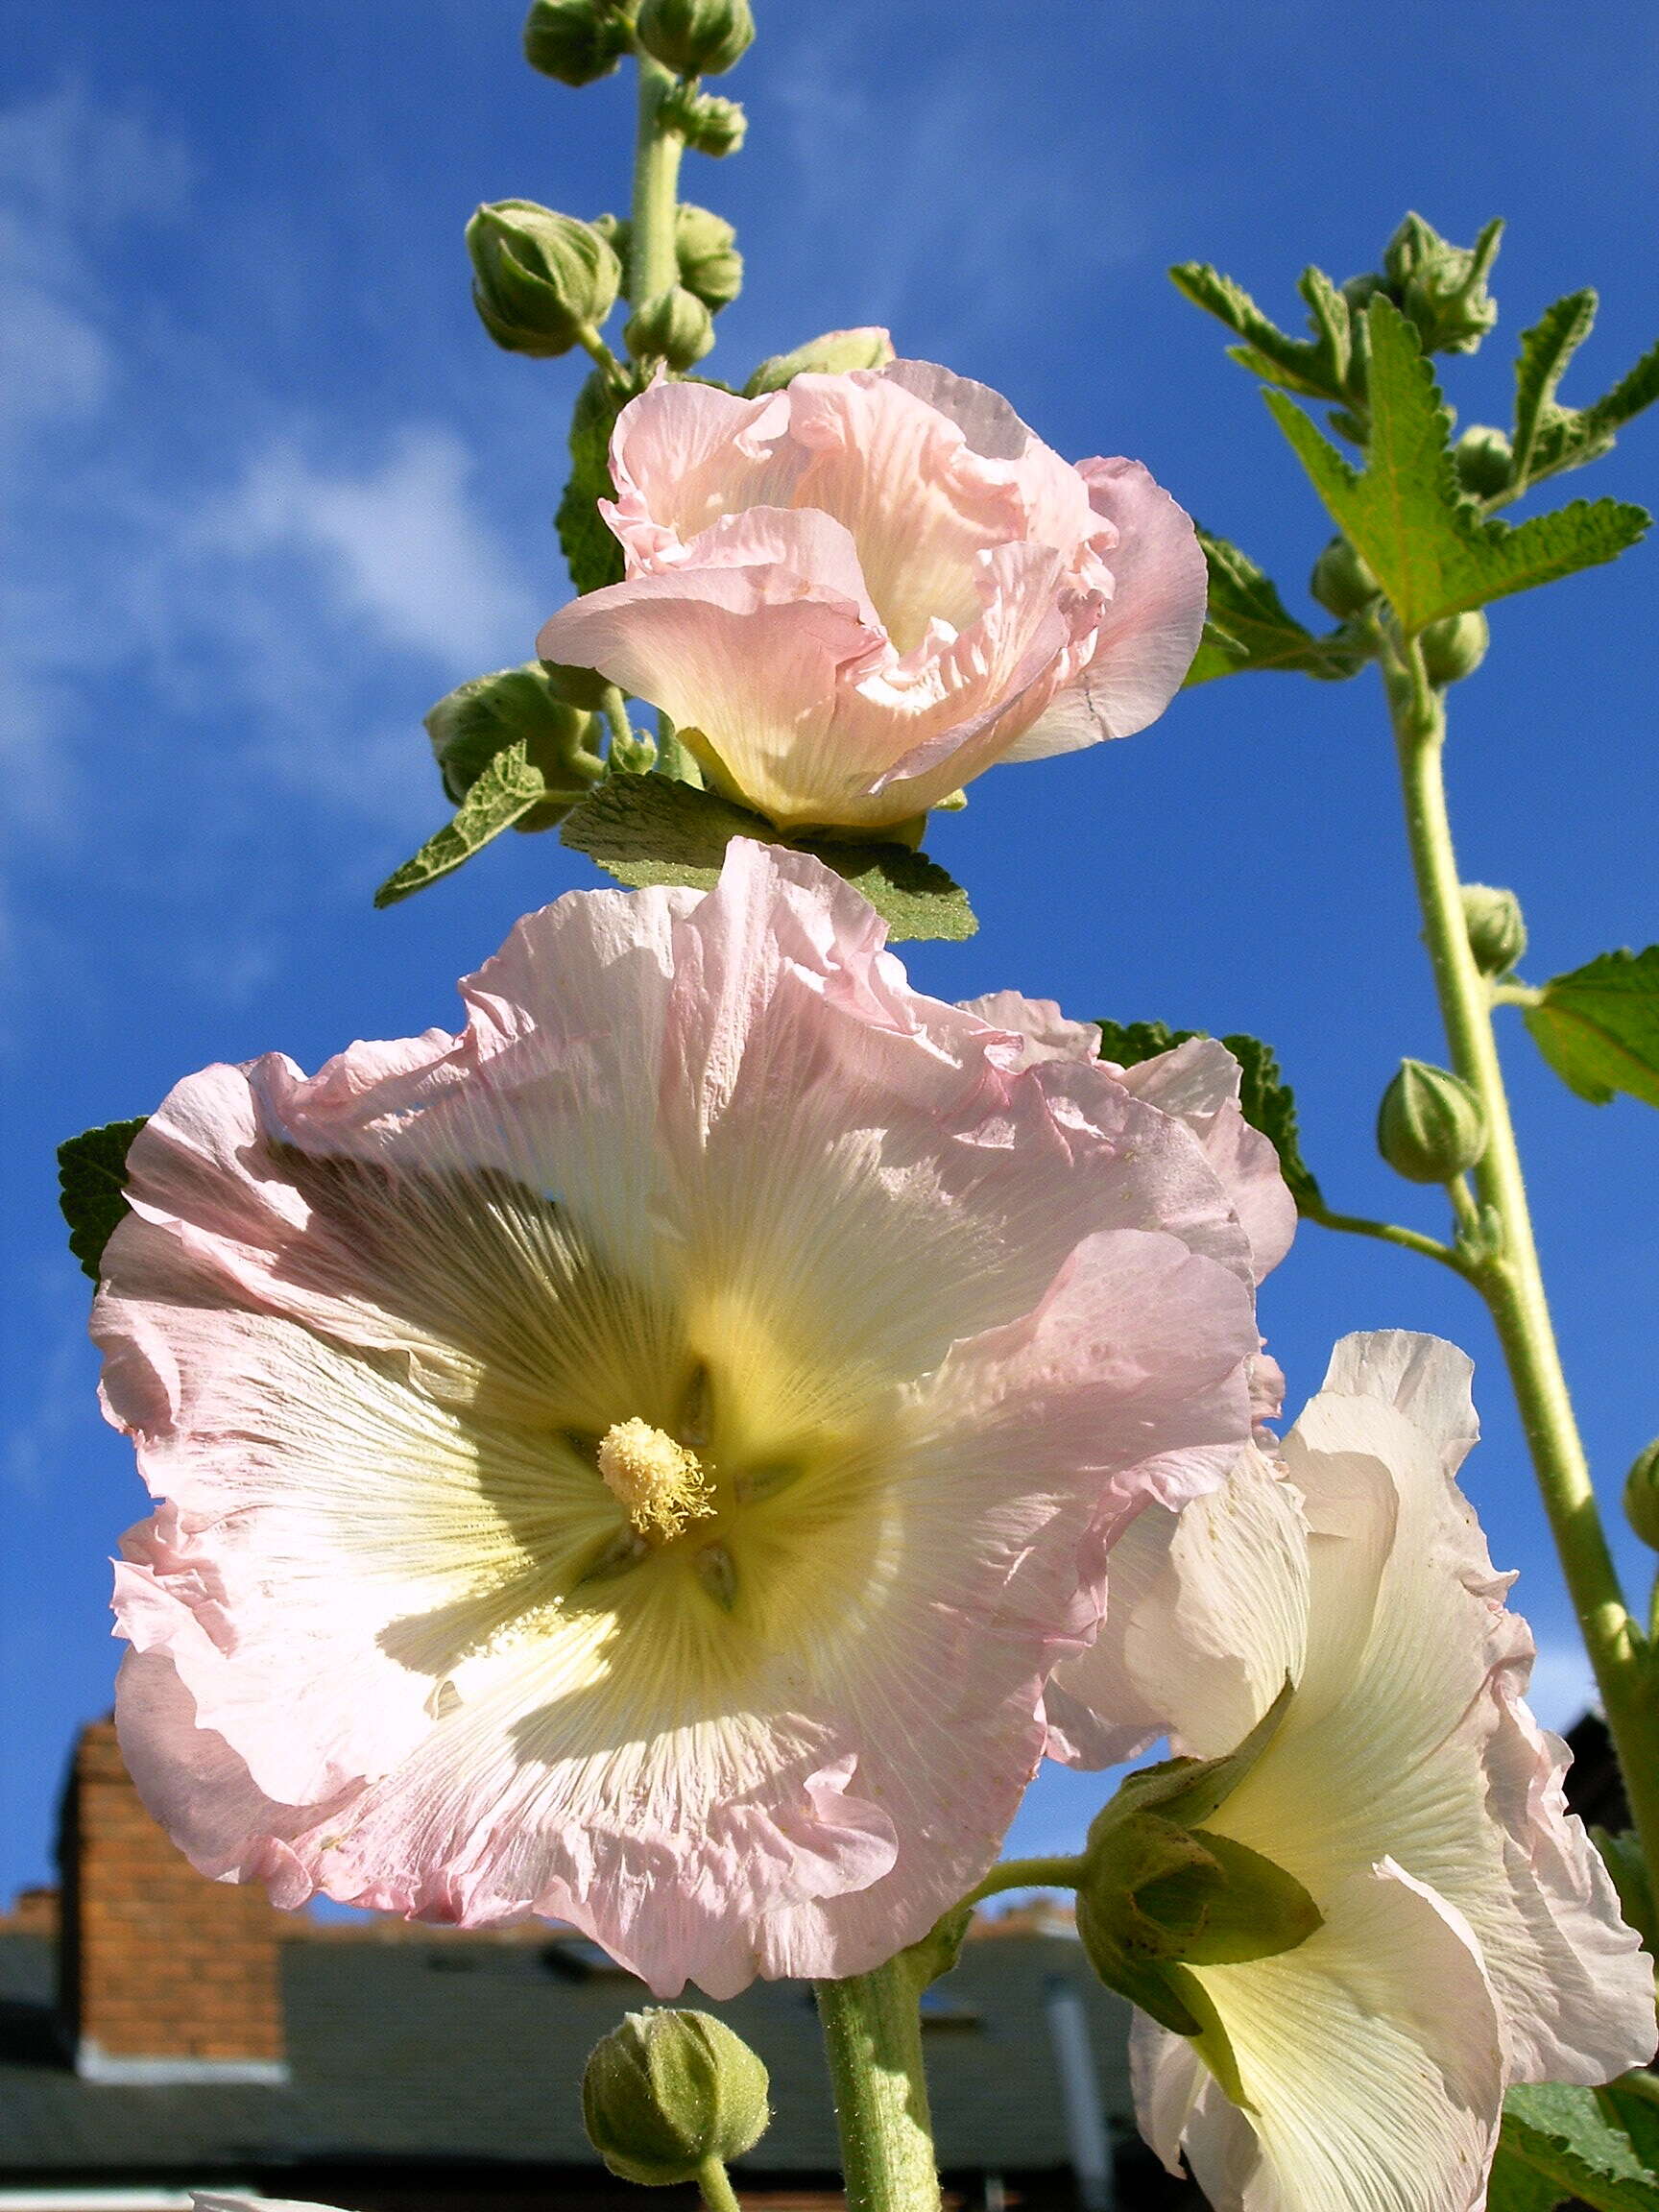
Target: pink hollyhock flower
(857, 594)
(1471, 1938)
(637, 1461)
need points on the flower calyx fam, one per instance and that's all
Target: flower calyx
(471, 725)
(542, 280)
(1496, 927)
(669, 2090)
(1431, 1126)
(575, 42)
(696, 38)
(1160, 1892)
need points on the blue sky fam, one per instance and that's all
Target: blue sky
(268, 491)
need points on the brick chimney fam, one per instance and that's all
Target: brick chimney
(164, 1975)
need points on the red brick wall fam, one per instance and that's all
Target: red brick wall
(156, 1961)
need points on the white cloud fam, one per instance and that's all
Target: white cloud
(397, 546)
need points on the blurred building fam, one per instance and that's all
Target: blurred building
(158, 2032)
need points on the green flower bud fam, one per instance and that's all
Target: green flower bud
(1485, 461)
(577, 42)
(1642, 1494)
(471, 725)
(540, 279)
(1431, 1126)
(1341, 582)
(711, 265)
(708, 124)
(837, 351)
(1455, 647)
(695, 37)
(667, 2090)
(1442, 287)
(1496, 932)
(673, 327)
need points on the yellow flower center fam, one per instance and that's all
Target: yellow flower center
(660, 1482)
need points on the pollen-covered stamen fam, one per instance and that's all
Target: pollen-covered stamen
(660, 1482)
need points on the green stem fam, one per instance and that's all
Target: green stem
(653, 257)
(873, 2043)
(715, 2184)
(1390, 1232)
(1511, 1280)
(592, 344)
(1029, 1874)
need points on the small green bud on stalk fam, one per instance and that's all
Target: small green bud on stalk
(1485, 461)
(830, 355)
(471, 726)
(667, 2091)
(710, 266)
(577, 42)
(1431, 1127)
(1496, 931)
(540, 279)
(1341, 581)
(708, 124)
(1455, 648)
(1642, 1494)
(673, 327)
(695, 37)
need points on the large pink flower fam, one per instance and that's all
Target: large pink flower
(639, 1460)
(854, 594)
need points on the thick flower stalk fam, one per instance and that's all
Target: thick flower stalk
(1469, 1937)
(857, 594)
(639, 1460)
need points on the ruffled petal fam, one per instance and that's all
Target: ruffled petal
(1150, 633)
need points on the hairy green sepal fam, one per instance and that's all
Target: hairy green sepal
(1598, 1026)
(92, 1188)
(1432, 550)
(651, 829)
(507, 790)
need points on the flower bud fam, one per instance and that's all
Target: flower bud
(1442, 287)
(1431, 1127)
(711, 265)
(1484, 460)
(577, 42)
(708, 124)
(471, 725)
(673, 327)
(1455, 647)
(1496, 932)
(1341, 582)
(666, 2091)
(837, 351)
(695, 37)
(1642, 1494)
(540, 279)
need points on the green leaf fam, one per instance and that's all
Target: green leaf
(1432, 549)
(1598, 1026)
(1561, 2136)
(591, 552)
(1265, 1100)
(649, 830)
(1517, 2187)
(1568, 437)
(1267, 350)
(508, 788)
(1626, 1860)
(1631, 2104)
(1249, 628)
(1545, 352)
(92, 1187)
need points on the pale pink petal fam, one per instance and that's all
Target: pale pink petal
(1151, 631)
(955, 1321)
(1043, 1032)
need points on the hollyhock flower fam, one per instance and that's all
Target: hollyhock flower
(637, 1461)
(1471, 1938)
(857, 594)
